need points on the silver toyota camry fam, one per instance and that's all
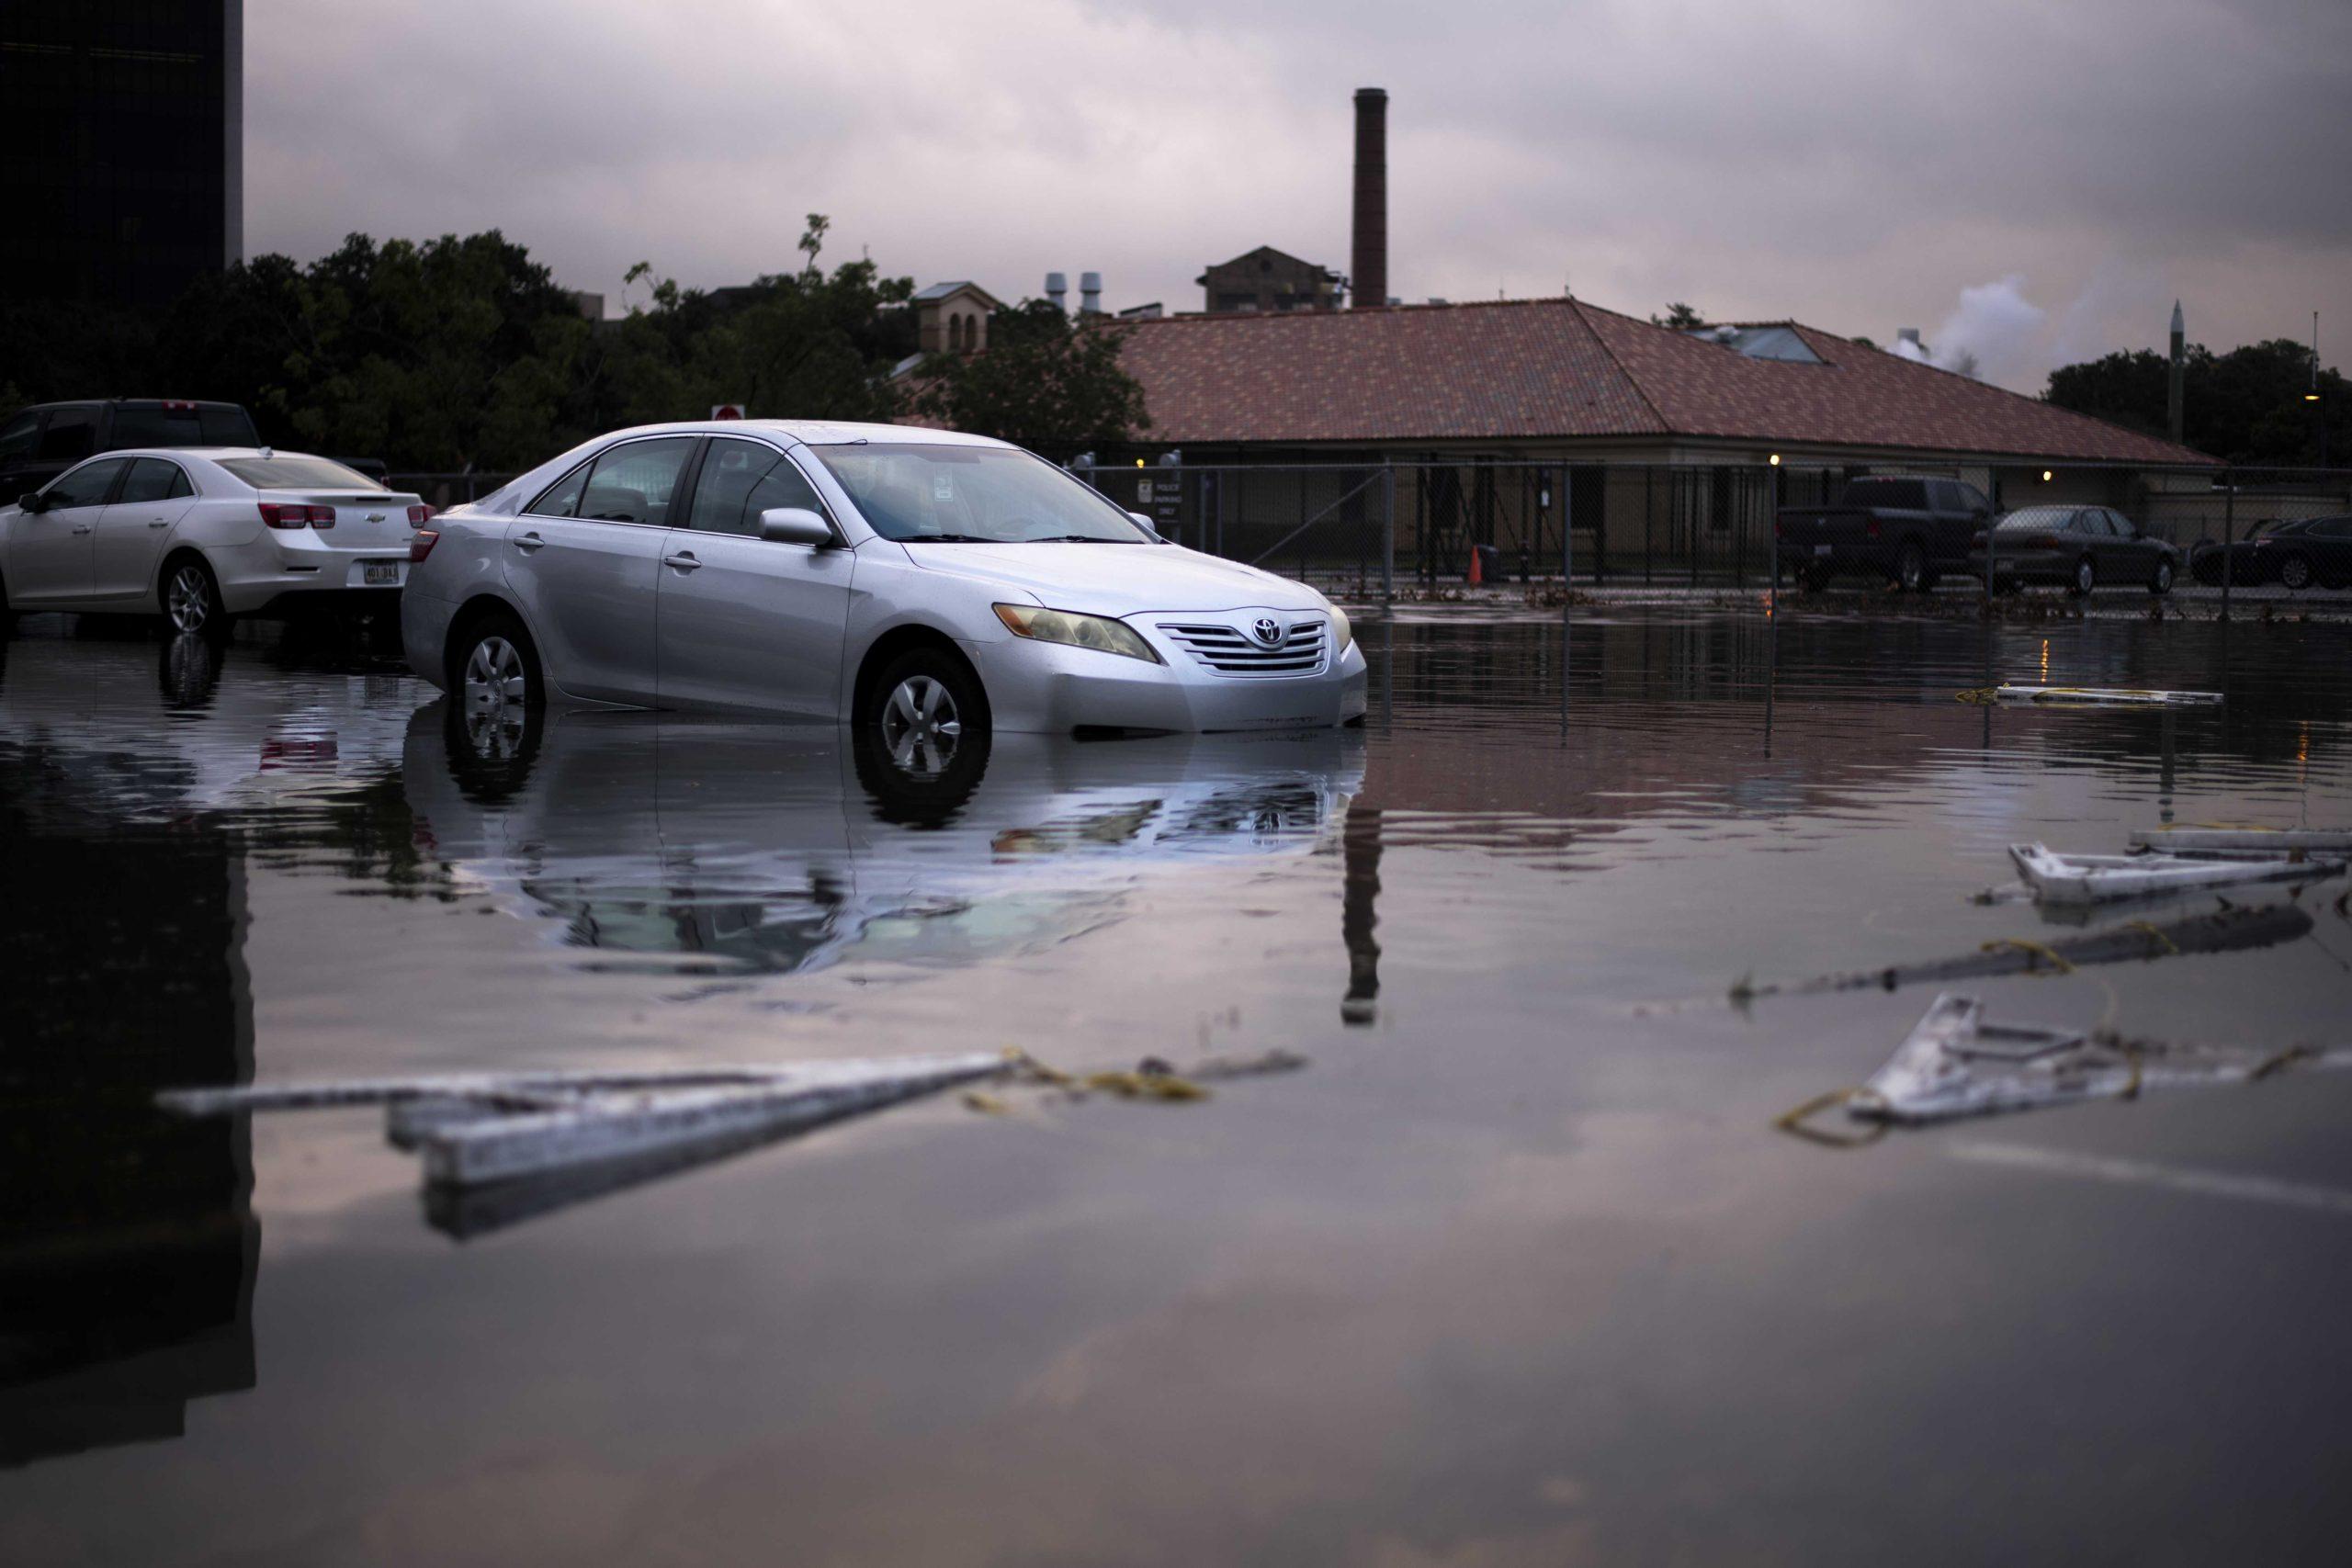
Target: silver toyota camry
(926, 583)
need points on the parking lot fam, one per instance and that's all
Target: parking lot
(1496, 1253)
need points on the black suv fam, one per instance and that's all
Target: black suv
(39, 443)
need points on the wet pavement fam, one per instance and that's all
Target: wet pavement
(1516, 1269)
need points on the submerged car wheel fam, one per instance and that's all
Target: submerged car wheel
(2085, 577)
(926, 708)
(1911, 571)
(497, 673)
(2161, 583)
(192, 600)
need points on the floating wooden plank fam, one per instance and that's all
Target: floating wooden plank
(1955, 1063)
(2096, 879)
(631, 1125)
(2222, 931)
(2104, 696)
(2244, 840)
(477, 1128)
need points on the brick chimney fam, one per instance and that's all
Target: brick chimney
(1368, 266)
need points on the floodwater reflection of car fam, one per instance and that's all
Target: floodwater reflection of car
(909, 581)
(2078, 546)
(662, 839)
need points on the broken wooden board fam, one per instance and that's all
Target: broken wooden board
(474, 1129)
(2222, 931)
(2096, 879)
(1956, 1063)
(2323, 841)
(2104, 696)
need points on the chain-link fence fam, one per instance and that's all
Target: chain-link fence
(1384, 528)
(1372, 529)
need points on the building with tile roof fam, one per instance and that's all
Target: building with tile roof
(1561, 378)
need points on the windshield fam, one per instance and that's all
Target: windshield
(991, 495)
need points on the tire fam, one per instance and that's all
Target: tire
(189, 670)
(1911, 573)
(2160, 583)
(2295, 573)
(490, 750)
(925, 707)
(7, 616)
(1813, 578)
(2085, 579)
(494, 666)
(191, 599)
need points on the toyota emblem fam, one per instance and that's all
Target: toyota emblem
(1266, 630)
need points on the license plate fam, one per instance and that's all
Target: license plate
(379, 574)
(1821, 549)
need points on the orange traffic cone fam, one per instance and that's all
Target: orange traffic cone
(1477, 576)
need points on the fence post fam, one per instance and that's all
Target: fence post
(1388, 535)
(1567, 552)
(2229, 535)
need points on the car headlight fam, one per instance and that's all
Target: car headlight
(1100, 633)
(1342, 634)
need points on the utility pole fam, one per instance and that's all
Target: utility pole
(2319, 409)
(2175, 411)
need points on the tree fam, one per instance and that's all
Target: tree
(1680, 317)
(1042, 381)
(2246, 406)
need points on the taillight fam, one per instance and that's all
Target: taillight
(286, 515)
(419, 515)
(1977, 542)
(422, 544)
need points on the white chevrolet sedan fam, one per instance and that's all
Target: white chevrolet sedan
(199, 535)
(922, 583)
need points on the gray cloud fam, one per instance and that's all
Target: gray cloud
(1854, 164)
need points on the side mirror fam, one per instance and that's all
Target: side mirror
(32, 500)
(1140, 521)
(795, 525)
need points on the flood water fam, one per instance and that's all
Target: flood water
(1516, 1269)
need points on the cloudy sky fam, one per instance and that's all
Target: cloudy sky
(2031, 183)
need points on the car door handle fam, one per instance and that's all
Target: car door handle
(81, 527)
(684, 561)
(159, 521)
(526, 543)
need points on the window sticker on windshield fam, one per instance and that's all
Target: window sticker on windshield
(943, 486)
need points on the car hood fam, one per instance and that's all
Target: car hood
(1119, 579)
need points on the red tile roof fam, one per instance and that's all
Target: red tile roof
(1536, 368)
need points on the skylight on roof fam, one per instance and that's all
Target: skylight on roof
(1759, 343)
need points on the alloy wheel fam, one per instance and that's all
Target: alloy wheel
(2084, 577)
(494, 679)
(189, 601)
(921, 727)
(2295, 573)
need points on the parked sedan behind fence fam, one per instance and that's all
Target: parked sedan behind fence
(202, 534)
(2297, 554)
(2076, 547)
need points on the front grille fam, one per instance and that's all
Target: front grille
(1230, 650)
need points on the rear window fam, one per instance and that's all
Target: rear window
(2027, 519)
(296, 473)
(1897, 494)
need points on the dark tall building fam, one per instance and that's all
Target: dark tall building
(123, 167)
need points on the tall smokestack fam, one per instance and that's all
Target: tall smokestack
(1057, 290)
(2173, 411)
(1368, 267)
(1089, 293)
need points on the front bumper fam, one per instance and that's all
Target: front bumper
(1046, 688)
